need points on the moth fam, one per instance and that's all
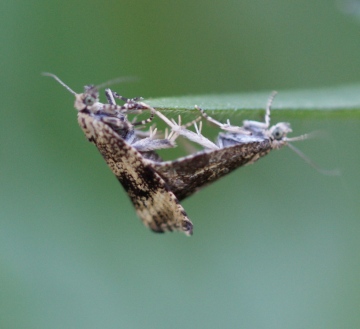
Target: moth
(155, 187)
(130, 157)
(234, 148)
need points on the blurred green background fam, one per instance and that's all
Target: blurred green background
(275, 245)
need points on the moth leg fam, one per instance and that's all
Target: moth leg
(112, 107)
(151, 144)
(110, 96)
(142, 145)
(120, 123)
(127, 100)
(143, 122)
(256, 125)
(148, 144)
(196, 136)
(171, 136)
(143, 134)
(178, 129)
(131, 103)
(225, 126)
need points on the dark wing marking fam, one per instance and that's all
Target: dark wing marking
(186, 175)
(155, 203)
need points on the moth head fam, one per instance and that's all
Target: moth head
(279, 131)
(85, 101)
(279, 134)
(88, 100)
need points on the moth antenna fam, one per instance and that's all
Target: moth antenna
(302, 137)
(335, 172)
(298, 138)
(268, 108)
(115, 81)
(58, 80)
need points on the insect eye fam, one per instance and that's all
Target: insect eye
(278, 133)
(89, 100)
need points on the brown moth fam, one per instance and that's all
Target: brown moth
(130, 158)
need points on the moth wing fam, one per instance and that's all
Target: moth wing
(187, 175)
(155, 204)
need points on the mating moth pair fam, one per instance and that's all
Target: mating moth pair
(155, 187)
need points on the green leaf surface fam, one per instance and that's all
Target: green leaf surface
(341, 101)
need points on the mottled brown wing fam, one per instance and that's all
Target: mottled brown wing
(155, 203)
(186, 175)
